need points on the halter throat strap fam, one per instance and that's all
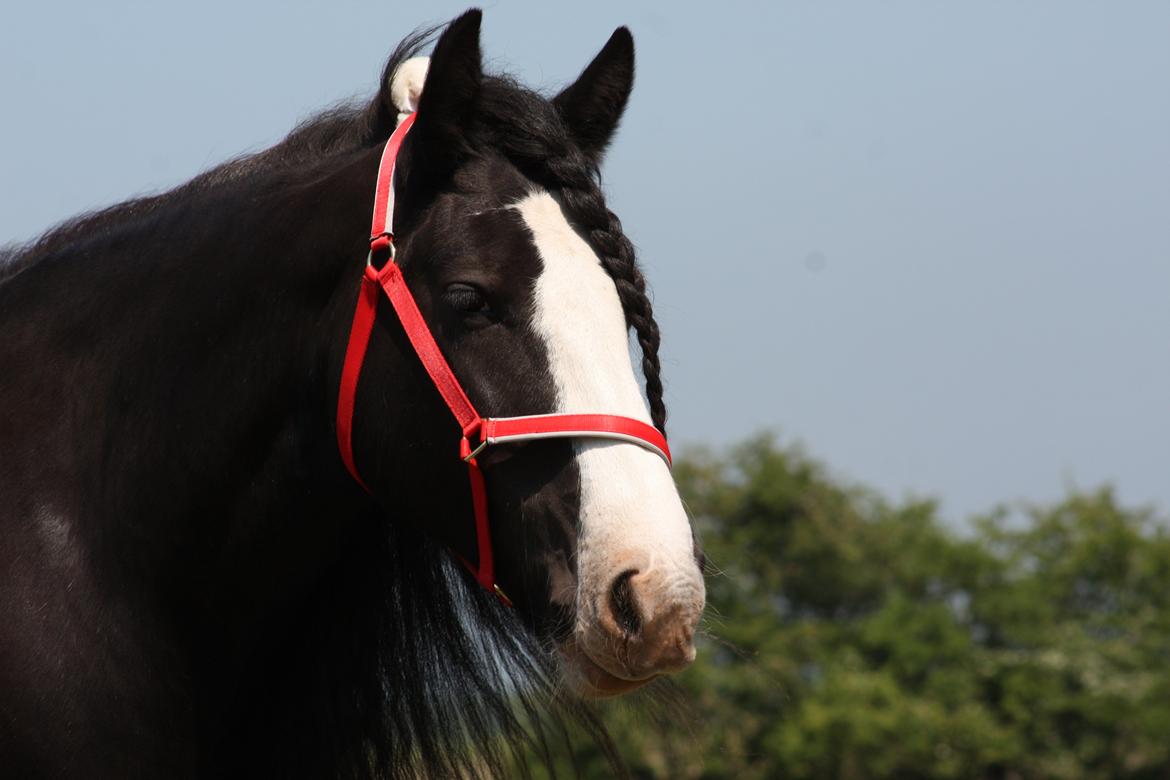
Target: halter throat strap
(477, 432)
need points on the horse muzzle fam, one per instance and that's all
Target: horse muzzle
(640, 625)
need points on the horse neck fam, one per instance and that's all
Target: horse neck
(200, 457)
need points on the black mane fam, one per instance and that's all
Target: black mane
(318, 140)
(424, 674)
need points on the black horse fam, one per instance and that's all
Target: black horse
(191, 584)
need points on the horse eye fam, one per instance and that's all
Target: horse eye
(466, 299)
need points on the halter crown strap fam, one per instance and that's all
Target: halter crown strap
(383, 224)
(485, 431)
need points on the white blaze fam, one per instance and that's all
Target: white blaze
(631, 514)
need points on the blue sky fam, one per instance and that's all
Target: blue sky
(931, 241)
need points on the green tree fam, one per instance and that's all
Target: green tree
(848, 637)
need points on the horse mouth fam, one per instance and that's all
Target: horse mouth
(589, 680)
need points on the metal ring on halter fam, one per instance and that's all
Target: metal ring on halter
(393, 255)
(478, 449)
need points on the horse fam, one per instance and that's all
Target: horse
(192, 581)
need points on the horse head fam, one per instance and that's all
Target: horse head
(530, 289)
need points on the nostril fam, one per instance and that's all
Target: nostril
(623, 604)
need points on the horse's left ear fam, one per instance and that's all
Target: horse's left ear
(448, 99)
(593, 104)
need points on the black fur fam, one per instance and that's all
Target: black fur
(192, 585)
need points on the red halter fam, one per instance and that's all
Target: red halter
(484, 431)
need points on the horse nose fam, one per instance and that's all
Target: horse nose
(647, 623)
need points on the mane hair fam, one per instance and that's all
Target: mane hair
(410, 670)
(315, 142)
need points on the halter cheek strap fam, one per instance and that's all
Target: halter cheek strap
(477, 432)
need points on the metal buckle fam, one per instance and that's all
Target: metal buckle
(501, 595)
(470, 456)
(466, 451)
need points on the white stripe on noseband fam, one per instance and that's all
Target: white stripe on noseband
(611, 435)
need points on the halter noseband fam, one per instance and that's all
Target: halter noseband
(483, 431)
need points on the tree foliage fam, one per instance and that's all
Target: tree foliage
(848, 637)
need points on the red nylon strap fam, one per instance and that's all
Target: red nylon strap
(542, 426)
(355, 355)
(390, 277)
(383, 224)
(423, 341)
(381, 238)
(485, 572)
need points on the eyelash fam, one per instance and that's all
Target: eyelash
(468, 300)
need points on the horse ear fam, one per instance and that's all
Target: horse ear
(452, 82)
(593, 104)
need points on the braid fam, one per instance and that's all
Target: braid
(631, 286)
(583, 200)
